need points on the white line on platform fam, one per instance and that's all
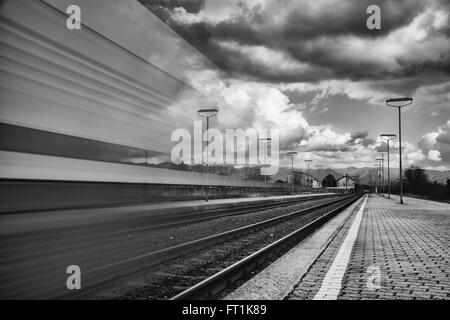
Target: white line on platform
(332, 283)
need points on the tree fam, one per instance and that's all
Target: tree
(329, 181)
(416, 179)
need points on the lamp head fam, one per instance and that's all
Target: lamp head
(208, 112)
(399, 102)
(388, 136)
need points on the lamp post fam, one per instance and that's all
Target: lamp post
(379, 176)
(266, 141)
(381, 160)
(388, 137)
(308, 161)
(382, 151)
(377, 166)
(292, 154)
(207, 113)
(380, 183)
(402, 102)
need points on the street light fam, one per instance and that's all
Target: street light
(381, 161)
(388, 137)
(207, 113)
(292, 154)
(402, 102)
(377, 166)
(382, 151)
(370, 181)
(266, 141)
(308, 161)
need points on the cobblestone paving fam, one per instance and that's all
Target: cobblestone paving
(407, 246)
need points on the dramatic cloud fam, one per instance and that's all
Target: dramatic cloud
(190, 6)
(434, 155)
(361, 137)
(245, 105)
(313, 70)
(437, 144)
(303, 41)
(327, 140)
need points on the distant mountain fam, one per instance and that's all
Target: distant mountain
(317, 174)
(439, 176)
(433, 175)
(364, 174)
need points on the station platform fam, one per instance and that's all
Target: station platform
(376, 249)
(399, 252)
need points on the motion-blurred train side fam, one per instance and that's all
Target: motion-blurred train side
(83, 111)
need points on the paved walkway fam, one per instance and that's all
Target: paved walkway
(398, 252)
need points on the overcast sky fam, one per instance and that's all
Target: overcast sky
(313, 69)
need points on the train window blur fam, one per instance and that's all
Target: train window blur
(28, 140)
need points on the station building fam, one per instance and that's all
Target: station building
(345, 182)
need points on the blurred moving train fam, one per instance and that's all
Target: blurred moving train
(83, 112)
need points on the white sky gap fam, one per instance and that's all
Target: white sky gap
(332, 283)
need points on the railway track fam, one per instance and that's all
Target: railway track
(33, 265)
(153, 221)
(203, 267)
(80, 237)
(175, 220)
(221, 280)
